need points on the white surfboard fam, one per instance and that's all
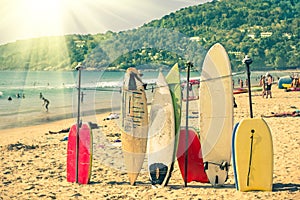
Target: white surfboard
(161, 135)
(216, 114)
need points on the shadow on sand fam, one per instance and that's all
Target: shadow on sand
(292, 187)
(127, 183)
(226, 186)
(277, 187)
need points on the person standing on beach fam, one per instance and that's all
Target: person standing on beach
(262, 83)
(46, 103)
(81, 99)
(295, 82)
(269, 85)
(241, 83)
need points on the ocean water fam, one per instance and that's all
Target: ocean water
(101, 93)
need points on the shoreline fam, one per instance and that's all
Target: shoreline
(49, 118)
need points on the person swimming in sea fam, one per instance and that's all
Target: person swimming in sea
(46, 103)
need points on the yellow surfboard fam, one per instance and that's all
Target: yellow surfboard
(252, 150)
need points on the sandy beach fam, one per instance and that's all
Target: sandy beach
(33, 162)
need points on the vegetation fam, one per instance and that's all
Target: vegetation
(266, 30)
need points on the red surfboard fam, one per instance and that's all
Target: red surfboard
(195, 165)
(85, 150)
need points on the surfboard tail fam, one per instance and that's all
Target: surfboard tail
(132, 177)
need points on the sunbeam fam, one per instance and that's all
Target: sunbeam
(23, 19)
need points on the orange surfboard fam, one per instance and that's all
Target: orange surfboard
(85, 149)
(195, 171)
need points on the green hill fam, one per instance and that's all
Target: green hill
(267, 30)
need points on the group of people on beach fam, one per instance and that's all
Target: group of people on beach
(46, 102)
(295, 81)
(18, 96)
(266, 84)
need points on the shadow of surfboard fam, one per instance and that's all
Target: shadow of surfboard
(292, 187)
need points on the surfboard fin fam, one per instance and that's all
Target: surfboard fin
(224, 166)
(205, 165)
(158, 172)
(216, 180)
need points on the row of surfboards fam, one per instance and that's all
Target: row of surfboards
(159, 135)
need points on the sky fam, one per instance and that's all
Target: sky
(23, 19)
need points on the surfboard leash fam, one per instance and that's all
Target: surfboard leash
(250, 159)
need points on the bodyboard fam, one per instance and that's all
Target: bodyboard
(195, 171)
(252, 150)
(85, 151)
